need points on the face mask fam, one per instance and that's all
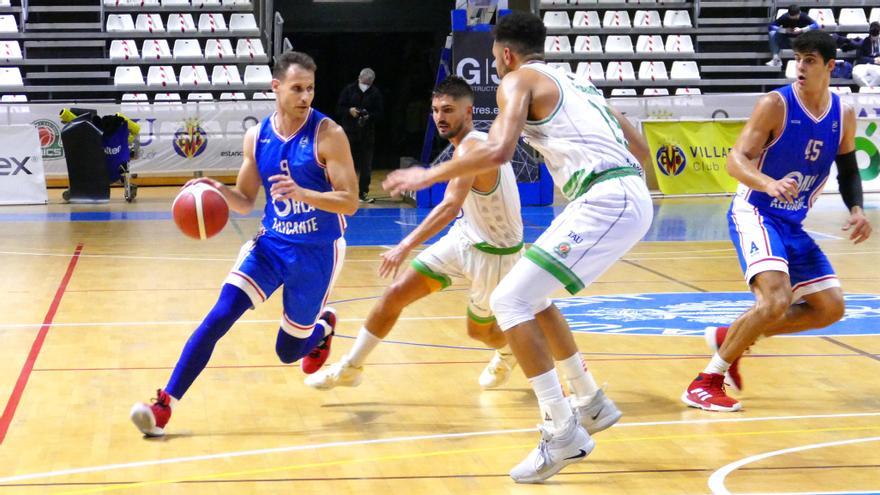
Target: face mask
(364, 87)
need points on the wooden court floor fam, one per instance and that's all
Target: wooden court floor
(94, 314)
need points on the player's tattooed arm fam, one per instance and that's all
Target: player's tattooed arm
(763, 126)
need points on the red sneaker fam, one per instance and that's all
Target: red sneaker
(315, 359)
(151, 419)
(714, 338)
(707, 392)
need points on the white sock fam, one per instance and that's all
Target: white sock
(717, 365)
(555, 410)
(505, 351)
(580, 381)
(363, 346)
(172, 401)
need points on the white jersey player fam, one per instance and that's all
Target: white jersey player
(591, 152)
(481, 246)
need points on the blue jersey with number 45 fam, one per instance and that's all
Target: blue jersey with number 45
(804, 151)
(296, 156)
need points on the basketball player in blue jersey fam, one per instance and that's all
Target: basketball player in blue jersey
(301, 159)
(782, 160)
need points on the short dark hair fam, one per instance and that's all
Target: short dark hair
(794, 10)
(816, 41)
(523, 31)
(455, 87)
(290, 57)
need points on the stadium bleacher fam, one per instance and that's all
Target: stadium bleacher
(105, 49)
(698, 46)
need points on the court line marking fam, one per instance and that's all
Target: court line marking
(295, 448)
(716, 480)
(835, 237)
(436, 453)
(28, 367)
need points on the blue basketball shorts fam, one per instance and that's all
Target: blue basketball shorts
(765, 243)
(307, 272)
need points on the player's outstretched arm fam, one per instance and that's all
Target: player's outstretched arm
(335, 153)
(514, 96)
(241, 197)
(756, 135)
(850, 181)
(638, 145)
(440, 216)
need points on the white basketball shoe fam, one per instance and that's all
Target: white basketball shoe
(340, 374)
(555, 451)
(498, 371)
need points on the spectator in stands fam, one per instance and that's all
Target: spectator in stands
(867, 69)
(786, 27)
(359, 107)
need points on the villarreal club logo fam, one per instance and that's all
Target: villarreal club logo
(671, 160)
(190, 140)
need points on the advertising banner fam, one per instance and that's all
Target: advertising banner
(690, 157)
(21, 166)
(867, 155)
(472, 60)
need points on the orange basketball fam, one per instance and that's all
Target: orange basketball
(200, 211)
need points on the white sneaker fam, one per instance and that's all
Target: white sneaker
(774, 62)
(555, 451)
(341, 374)
(598, 414)
(497, 372)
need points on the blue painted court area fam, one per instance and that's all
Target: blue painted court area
(688, 313)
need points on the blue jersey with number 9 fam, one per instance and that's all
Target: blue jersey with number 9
(297, 157)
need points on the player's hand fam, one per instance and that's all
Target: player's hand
(784, 189)
(284, 187)
(353, 111)
(407, 179)
(859, 226)
(391, 261)
(216, 184)
(797, 30)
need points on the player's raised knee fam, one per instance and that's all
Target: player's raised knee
(774, 305)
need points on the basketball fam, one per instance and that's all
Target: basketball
(200, 211)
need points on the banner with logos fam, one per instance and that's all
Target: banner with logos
(174, 139)
(21, 166)
(867, 155)
(690, 157)
(472, 60)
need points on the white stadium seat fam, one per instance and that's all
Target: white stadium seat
(117, 23)
(10, 50)
(243, 23)
(200, 97)
(175, 3)
(841, 90)
(155, 50)
(128, 76)
(194, 75)
(564, 67)
(620, 71)
(557, 44)
(264, 95)
(875, 15)
(653, 71)
(205, 3)
(616, 19)
(869, 89)
(587, 44)
(219, 50)
(135, 97)
(10, 76)
(679, 43)
(8, 24)
(149, 23)
(824, 17)
(557, 19)
(161, 75)
(232, 96)
(13, 99)
(187, 50)
(684, 70)
(791, 69)
(655, 92)
(236, 2)
(181, 23)
(123, 50)
(623, 92)
(688, 91)
(676, 18)
(591, 71)
(649, 44)
(249, 48)
(212, 23)
(646, 18)
(167, 98)
(261, 75)
(618, 44)
(224, 75)
(853, 18)
(586, 19)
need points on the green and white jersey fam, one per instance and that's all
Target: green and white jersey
(491, 220)
(581, 139)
